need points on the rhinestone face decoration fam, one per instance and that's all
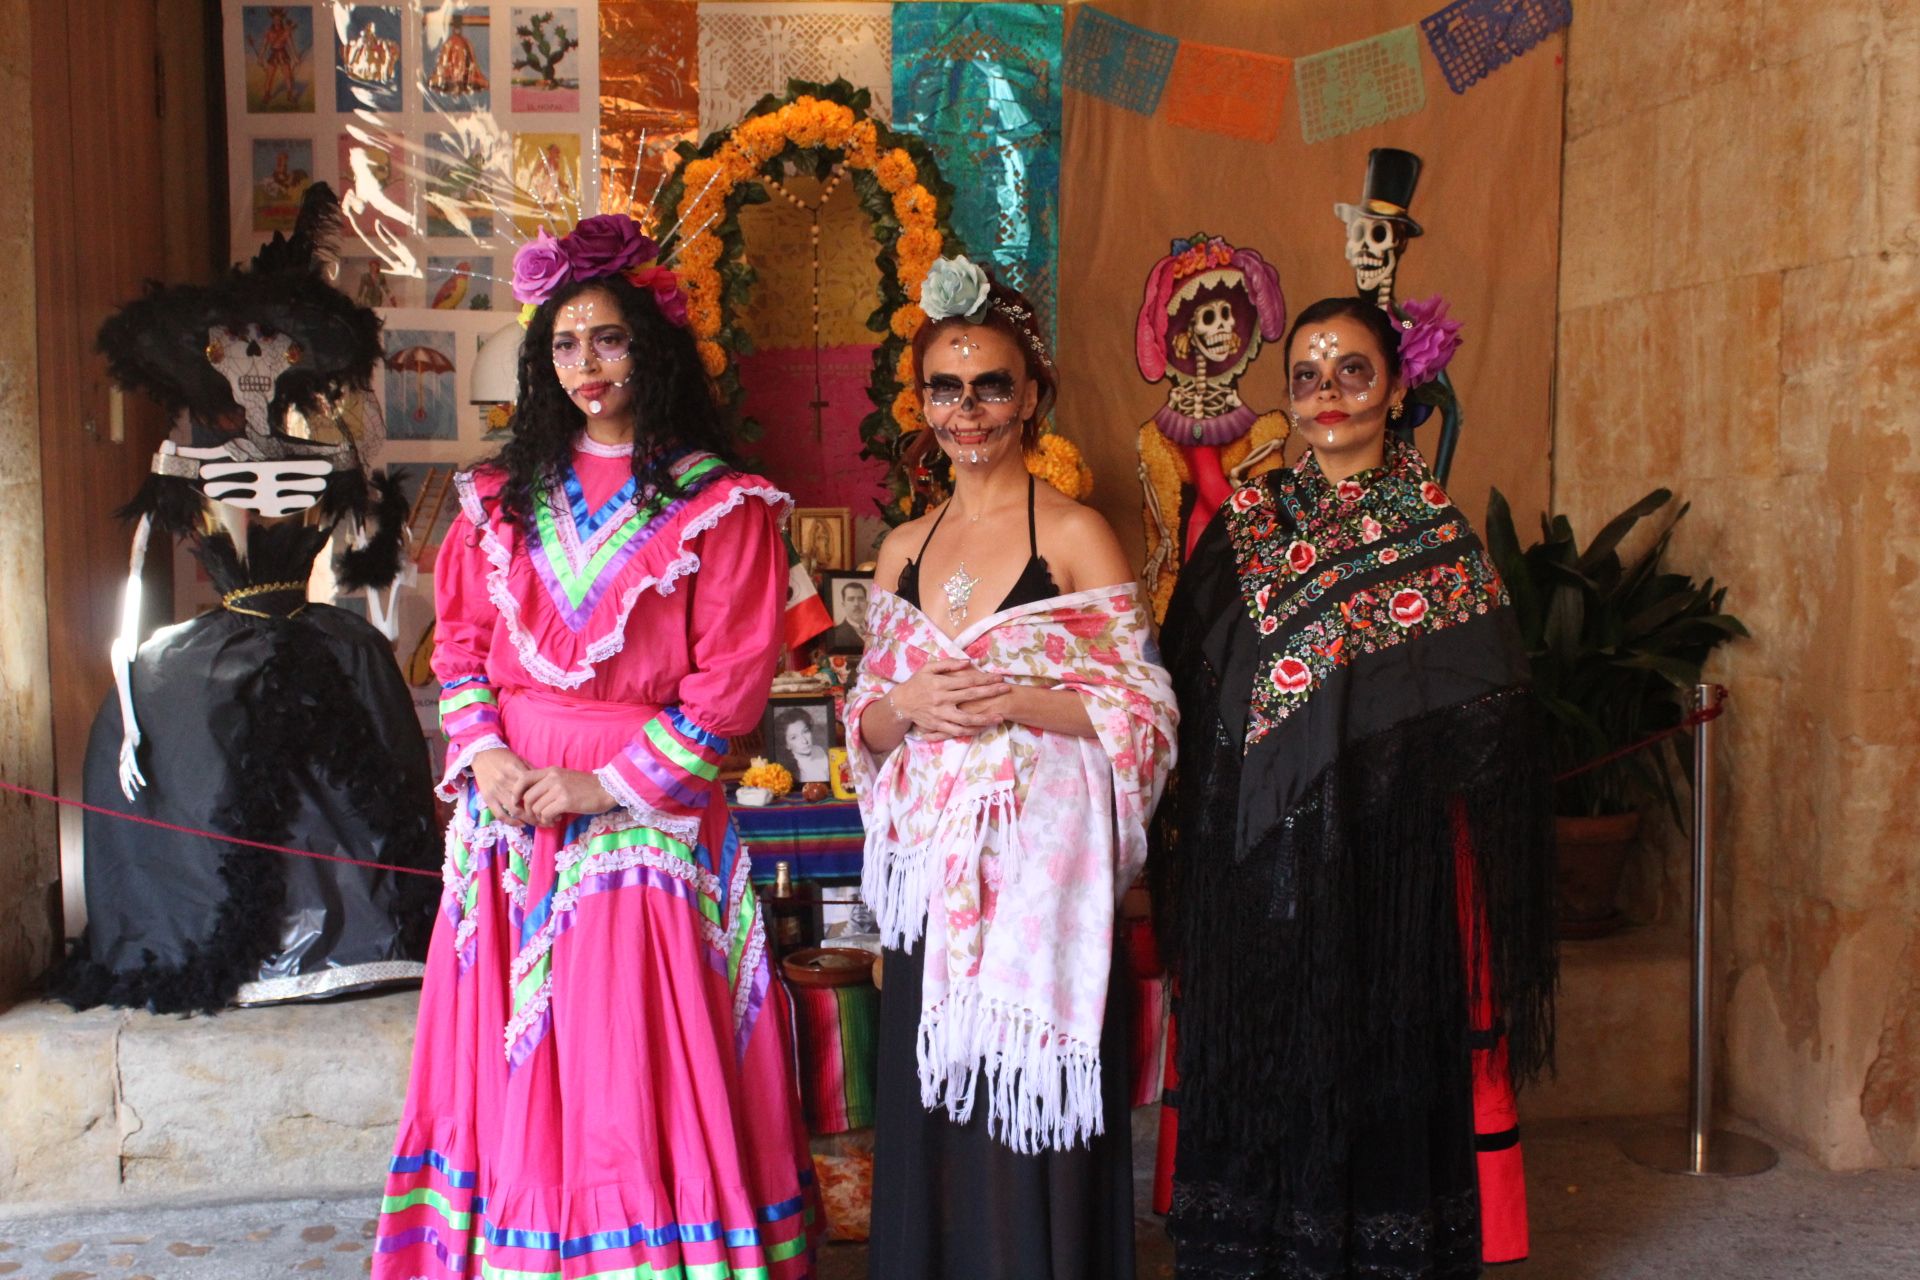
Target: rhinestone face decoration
(964, 346)
(1323, 345)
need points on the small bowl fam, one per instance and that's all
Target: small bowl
(754, 797)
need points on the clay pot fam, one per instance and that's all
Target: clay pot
(1593, 856)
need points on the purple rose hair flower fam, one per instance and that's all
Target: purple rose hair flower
(540, 267)
(1428, 339)
(607, 244)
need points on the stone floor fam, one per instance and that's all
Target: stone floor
(1595, 1215)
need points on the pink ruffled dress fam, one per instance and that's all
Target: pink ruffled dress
(602, 1081)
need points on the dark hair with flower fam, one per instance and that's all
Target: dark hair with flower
(600, 247)
(675, 408)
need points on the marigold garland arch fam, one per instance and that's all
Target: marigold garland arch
(898, 184)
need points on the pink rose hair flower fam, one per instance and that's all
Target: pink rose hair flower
(539, 268)
(1428, 339)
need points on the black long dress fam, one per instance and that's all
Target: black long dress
(278, 721)
(950, 1202)
(1352, 867)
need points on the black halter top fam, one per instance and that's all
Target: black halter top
(1035, 581)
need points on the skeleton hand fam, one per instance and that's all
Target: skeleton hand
(131, 779)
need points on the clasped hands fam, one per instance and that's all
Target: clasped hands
(517, 791)
(952, 698)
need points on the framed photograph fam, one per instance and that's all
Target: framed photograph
(824, 538)
(799, 735)
(845, 595)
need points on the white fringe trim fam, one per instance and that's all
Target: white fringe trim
(526, 648)
(1043, 1087)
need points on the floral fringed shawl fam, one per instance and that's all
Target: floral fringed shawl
(1011, 849)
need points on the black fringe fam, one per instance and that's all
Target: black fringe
(176, 506)
(377, 563)
(304, 721)
(1349, 1004)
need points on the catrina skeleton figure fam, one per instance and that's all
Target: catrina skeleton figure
(1208, 308)
(273, 718)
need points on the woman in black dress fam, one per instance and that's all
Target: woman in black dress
(1035, 1181)
(1354, 868)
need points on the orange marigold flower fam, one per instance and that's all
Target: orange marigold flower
(836, 123)
(904, 369)
(895, 170)
(863, 145)
(906, 410)
(908, 319)
(713, 358)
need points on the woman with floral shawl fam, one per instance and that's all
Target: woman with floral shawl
(1353, 871)
(1009, 733)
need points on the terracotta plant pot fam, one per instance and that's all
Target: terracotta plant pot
(1593, 855)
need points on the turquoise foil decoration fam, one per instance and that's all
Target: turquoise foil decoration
(980, 85)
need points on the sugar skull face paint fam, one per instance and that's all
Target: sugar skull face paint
(593, 353)
(1354, 374)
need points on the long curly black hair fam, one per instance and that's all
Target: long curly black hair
(675, 405)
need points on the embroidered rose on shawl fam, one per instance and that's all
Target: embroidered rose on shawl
(1389, 554)
(1245, 498)
(1349, 490)
(1269, 625)
(1370, 530)
(1290, 675)
(1433, 495)
(1263, 597)
(1301, 556)
(1087, 625)
(1408, 607)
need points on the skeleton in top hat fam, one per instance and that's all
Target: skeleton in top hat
(271, 719)
(1208, 308)
(1380, 229)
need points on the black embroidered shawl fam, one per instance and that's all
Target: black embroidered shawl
(1362, 801)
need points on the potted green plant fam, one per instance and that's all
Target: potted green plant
(1616, 648)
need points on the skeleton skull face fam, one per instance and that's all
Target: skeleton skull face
(1373, 250)
(251, 362)
(1213, 331)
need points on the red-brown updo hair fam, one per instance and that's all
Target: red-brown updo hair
(1009, 312)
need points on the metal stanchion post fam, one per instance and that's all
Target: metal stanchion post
(1700, 1148)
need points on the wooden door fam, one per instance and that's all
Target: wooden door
(121, 195)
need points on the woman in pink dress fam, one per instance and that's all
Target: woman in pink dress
(601, 1080)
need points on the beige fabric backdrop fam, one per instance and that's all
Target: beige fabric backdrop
(1489, 200)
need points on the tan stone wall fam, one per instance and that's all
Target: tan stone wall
(29, 861)
(1740, 285)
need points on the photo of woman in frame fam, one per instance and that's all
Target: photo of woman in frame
(799, 733)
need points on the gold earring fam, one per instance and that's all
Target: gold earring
(1398, 409)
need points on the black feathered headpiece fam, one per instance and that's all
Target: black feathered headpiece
(158, 343)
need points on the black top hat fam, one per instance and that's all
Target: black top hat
(1392, 175)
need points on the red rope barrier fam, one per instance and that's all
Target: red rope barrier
(1704, 714)
(212, 835)
(1699, 717)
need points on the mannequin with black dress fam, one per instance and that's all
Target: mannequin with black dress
(964, 1197)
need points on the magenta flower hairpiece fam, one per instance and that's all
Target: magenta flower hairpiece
(606, 244)
(1428, 339)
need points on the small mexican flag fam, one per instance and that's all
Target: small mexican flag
(807, 615)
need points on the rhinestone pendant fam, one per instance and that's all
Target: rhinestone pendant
(959, 589)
